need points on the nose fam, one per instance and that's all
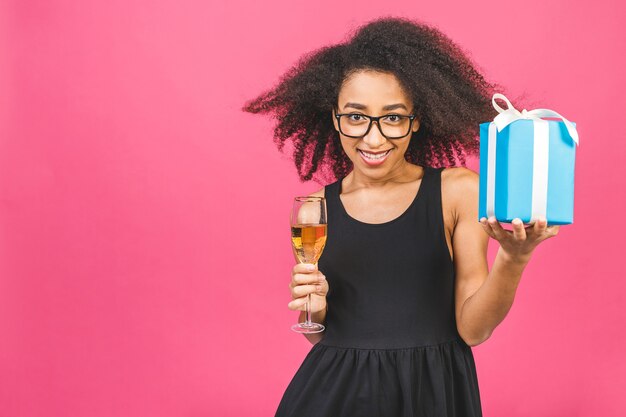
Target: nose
(374, 137)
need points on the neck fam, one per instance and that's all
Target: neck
(400, 173)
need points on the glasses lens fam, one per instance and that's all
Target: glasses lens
(354, 124)
(392, 126)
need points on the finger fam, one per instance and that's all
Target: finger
(540, 226)
(487, 228)
(519, 233)
(498, 231)
(302, 290)
(322, 288)
(303, 268)
(298, 303)
(313, 277)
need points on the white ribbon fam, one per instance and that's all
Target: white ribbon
(540, 152)
(511, 114)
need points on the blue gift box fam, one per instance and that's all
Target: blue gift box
(516, 167)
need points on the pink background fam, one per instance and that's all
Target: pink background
(144, 247)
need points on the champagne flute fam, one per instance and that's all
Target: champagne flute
(308, 237)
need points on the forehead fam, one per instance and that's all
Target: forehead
(373, 89)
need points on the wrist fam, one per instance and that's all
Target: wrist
(517, 259)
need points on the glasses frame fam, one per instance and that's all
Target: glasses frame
(376, 119)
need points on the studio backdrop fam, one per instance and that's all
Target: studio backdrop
(144, 218)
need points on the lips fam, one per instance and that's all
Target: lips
(375, 153)
(374, 158)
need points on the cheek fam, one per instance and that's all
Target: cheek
(347, 146)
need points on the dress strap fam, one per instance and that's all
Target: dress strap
(331, 193)
(435, 211)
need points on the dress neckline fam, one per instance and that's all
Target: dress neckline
(404, 213)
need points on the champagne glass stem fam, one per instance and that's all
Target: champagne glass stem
(307, 321)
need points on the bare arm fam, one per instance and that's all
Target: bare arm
(485, 309)
(484, 298)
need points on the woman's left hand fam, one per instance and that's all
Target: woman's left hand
(520, 242)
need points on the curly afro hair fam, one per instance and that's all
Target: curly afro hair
(450, 97)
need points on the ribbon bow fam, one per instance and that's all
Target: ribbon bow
(511, 114)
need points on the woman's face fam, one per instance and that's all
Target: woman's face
(374, 94)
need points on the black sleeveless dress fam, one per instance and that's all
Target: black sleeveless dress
(391, 346)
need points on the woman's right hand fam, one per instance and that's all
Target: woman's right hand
(307, 279)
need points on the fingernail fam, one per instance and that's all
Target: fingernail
(310, 267)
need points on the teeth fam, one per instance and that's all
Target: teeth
(373, 156)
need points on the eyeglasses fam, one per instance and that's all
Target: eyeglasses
(391, 126)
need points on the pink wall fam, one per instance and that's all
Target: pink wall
(130, 284)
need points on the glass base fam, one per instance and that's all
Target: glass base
(307, 328)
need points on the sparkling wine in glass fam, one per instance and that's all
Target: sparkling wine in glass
(308, 238)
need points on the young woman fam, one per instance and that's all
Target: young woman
(403, 285)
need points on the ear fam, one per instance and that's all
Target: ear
(416, 125)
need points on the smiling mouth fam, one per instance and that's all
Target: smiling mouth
(374, 156)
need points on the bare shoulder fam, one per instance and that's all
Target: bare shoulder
(459, 183)
(459, 189)
(459, 178)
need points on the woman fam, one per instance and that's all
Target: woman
(403, 285)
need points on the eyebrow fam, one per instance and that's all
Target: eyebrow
(387, 107)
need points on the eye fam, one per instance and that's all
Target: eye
(393, 118)
(355, 117)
